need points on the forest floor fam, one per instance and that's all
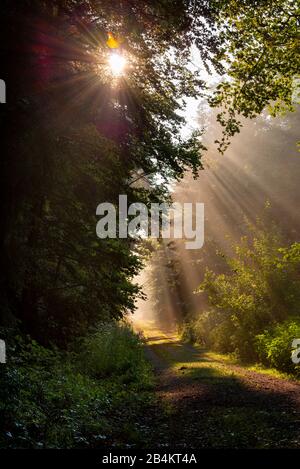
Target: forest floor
(207, 401)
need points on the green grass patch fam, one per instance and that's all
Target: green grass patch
(257, 367)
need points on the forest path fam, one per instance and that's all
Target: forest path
(210, 402)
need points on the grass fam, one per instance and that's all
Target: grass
(257, 367)
(225, 411)
(170, 349)
(241, 427)
(97, 395)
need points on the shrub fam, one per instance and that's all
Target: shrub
(274, 346)
(260, 289)
(54, 399)
(115, 349)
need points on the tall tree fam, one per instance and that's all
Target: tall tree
(75, 136)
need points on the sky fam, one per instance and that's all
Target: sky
(191, 112)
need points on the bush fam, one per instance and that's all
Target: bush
(53, 399)
(115, 349)
(260, 289)
(274, 346)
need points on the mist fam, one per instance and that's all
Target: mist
(255, 183)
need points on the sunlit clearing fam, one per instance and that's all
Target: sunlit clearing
(117, 64)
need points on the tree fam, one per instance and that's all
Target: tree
(58, 279)
(260, 55)
(74, 137)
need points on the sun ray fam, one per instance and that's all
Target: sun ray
(117, 64)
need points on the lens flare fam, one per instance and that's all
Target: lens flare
(117, 64)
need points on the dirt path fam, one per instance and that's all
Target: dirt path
(210, 403)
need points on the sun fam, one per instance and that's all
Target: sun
(117, 64)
